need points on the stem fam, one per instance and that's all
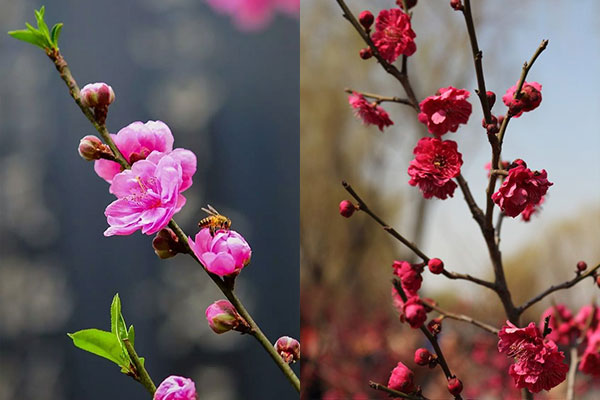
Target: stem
(395, 393)
(402, 77)
(413, 247)
(67, 77)
(432, 339)
(141, 373)
(380, 98)
(571, 374)
(461, 317)
(554, 288)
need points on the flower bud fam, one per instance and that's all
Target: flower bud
(456, 5)
(91, 148)
(366, 19)
(414, 312)
(515, 107)
(455, 386)
(222, 317)
(491, 98)
(402, 379)
(176, 387)
(97, 95)
(288, 348)
(436, 266)
(166, 244)
(581, 266)
(347, 208)
(422, 357)
(409, 3)
(435, 326)
(365, 53)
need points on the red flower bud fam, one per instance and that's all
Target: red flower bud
(436, 266)
(455, 386)
(402, 379)
(491, 98)
(456, 5)
(366, 19)
(90, 148)
(347, 208)
(288, 348)
(166, 244)
(581, 266)
(422, 357)
(365, 53)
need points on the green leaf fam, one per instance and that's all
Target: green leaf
(131, 335)
(56, 33)
(39, 16)
(101, 343)
(117, 322)
(30, 37)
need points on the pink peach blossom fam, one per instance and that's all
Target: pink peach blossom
(136, 141)
(224, 254)
(251, 15)
(149, 194)
(176, 388)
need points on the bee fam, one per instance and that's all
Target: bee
(214, 221)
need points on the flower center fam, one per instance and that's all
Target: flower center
(439, 161)
(393, 33)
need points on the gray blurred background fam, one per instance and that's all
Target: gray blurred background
(230, 97)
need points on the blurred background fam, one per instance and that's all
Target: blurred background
(350, 331)
(230, 96)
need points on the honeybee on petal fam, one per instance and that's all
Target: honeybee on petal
(214, 221)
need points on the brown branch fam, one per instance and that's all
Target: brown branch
(413, 247)
(402, 77)
(461, 317)
(475, 210)
(380, 99)
(395, 393)
(432, 339)
(554, 288)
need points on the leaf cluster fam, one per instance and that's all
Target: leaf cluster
(42, 37)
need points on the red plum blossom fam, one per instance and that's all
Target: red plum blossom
(402, 379)
(370, 113)
(521, 188)
(393, 35)
(445, 111)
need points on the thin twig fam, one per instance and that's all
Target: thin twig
(413, 247)
(554, 288)
(402, 77)
(461, 317)
(141, 375)
(65, 73)
(498, 228)
(572, 373)
(432, 339)
(379, 98)
(395, 393)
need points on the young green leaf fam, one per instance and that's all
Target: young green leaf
(29, 37)
(117, 322)
(131, 335)
(56, 33)
(102, 343)
(39, 16)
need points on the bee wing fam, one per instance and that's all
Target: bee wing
(210, 210)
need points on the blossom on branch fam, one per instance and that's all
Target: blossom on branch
(176, 388)
(539, 365)
(590, 361)
(393, 34)
(530, 98)
(445, 111)
(410, 276)
(149, 194)
(436, 163)
(224, 254)
(521, 188)
(370, 113)
(402, 379)
(564, 328)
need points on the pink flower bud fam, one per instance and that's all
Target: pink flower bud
(166, 244)
(365, 53)
(347, 208)
(222, 317)
(176, 388)
(491, 98)
(436, 266)
(422, 357)
(288, 348)
(456, 5)
(414, 312)
(91, 148)
(455, 386)
(401, 379)
(366, 19)
(581, 266)
(97, 95)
